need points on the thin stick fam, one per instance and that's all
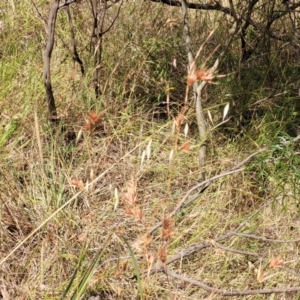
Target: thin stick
(262, 238)
(230, 292)
(203, 185)
(228, 249)
(193, 249)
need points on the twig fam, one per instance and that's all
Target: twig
(290, 271)
(214, 243)
(203, 185)
(230, 292)
(73, 42)
(66, 3)
(220, 124)
(196, 248)
(116, 17)
(245, 17)
(38, 12)
(262, 238)
(193, 249)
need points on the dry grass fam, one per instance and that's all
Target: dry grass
(76, 216)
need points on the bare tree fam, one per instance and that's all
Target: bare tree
(98, 10)
(245, 15)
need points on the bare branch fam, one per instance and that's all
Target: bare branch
(196, 248)
(99, 15)
(193, 249)
(38, 12)
(212, 6)
(66, 3)
(290, 271)
(264, 239)
(230, 292)
(228, 249)
(204, 185)
(74, 48)
(117, 15)
(247, 18)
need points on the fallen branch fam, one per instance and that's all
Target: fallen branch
(228, 249)
(230, 292)
(196, 248)
(204, 185)
(215, 243)
(262, 238)
(290, 271)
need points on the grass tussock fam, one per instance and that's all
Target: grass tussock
(107, 201)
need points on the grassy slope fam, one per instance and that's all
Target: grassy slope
(37, 165)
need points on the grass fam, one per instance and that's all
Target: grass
(75, 216)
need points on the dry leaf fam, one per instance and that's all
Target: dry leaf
(205, 75)
(186, 130)
(174, 63)
(168, 228)
(131, 196)
(128, 210)
(77, 183)
(167, 233)
(162, 254)
(171, 155)
(130, 201)
(93, 120)
(261, 277)
(87, 126)
(167, 223)
(4, 293)
(202, 75)
(192, 78)
(147, 240)
(143, 157)
(148, 150)
(186, 146)
(172, 23)
(137, 213)
(275, 262)
(150, 260)
(210, 117)
(179, 120)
